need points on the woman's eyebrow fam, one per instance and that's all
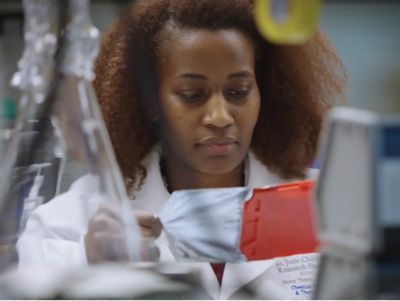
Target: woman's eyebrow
(192, 76)
(195, 76)
(241, 74)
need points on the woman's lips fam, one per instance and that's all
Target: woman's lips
(218, 146)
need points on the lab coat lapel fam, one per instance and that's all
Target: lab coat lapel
(237, 275)
(259, 175)
(209, 280)
(153, 194)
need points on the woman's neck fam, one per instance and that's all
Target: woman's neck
(178, 178)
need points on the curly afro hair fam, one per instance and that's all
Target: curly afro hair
(298, 84)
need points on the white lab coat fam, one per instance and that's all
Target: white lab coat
(54, 237)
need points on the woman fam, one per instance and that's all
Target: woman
(193, 97)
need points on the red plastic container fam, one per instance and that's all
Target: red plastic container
(279, 221)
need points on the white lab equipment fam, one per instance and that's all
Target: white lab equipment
(357, 199)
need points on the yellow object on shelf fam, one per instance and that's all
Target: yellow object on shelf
(287, 21)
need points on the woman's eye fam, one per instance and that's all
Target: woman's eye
(192, 96)
(238, 93)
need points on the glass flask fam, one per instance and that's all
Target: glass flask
(56, 81)
(32, 161)
(78, 116)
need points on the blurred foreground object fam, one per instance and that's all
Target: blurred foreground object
(32, 159)
(287, 21)
(56, 78)
(103, 281)
(78, 116)
(240, 224)
(357, 199)
(9, 42)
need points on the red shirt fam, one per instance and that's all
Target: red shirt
(218, 270)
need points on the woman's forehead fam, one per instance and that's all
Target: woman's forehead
(205, 49)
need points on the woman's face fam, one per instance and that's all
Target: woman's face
(209, 99)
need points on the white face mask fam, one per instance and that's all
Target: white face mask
(205, 224)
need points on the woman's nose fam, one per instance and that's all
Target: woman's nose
(217, 113)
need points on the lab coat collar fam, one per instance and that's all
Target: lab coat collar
(239, 275)
(236, 276)
(153, 194)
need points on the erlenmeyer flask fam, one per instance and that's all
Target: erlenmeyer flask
(31, 163)
(79, 119)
